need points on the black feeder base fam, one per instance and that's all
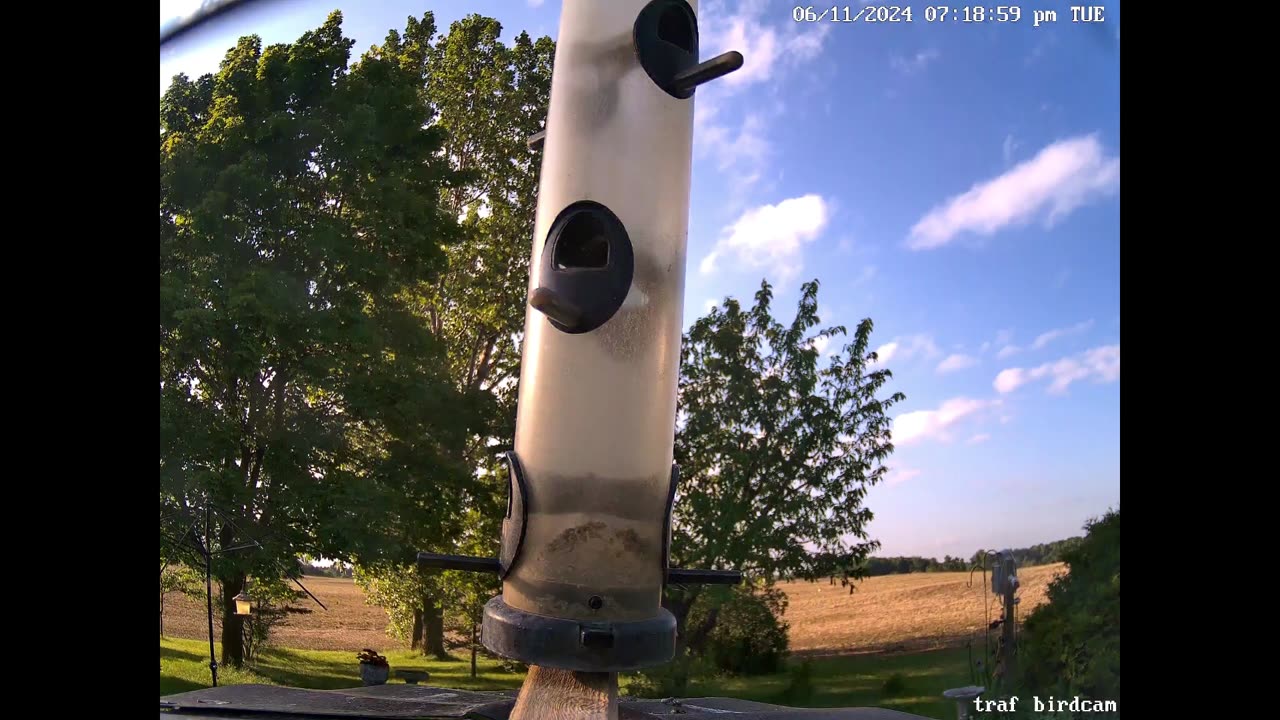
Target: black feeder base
(578, 645)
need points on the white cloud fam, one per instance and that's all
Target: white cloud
(1045, 338)
(900, 475)
(1059, 179)
(906, 348)
(1010, 379)
(979, 438)
(1008, 351)
(535, 3)
(758, 45)
(738, 140)
(823, 346)
(745, 147)
(1003, 339)
(915, 63)
(936, 424)
(772, 236)
(954, 362)
(1101, 365)
(766, 46)
(1007, 149)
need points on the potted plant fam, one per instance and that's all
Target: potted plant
(374, 668)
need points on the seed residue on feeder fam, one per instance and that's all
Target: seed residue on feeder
(570, 538)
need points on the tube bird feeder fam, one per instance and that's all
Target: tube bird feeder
(585, 541)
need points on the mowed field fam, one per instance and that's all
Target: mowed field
(893, 613)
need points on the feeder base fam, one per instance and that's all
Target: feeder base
(577, 645)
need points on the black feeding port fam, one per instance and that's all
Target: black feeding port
(587, 267)
(666, 40)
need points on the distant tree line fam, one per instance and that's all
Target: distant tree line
(902, 565)
(1042, 554)
(337, 569)
(831, 566)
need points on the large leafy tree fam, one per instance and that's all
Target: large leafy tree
(303, 399)
(488, 98)
(777, 447)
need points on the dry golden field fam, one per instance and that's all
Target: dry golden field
(887, 613)
(349, 624)
(901, 612)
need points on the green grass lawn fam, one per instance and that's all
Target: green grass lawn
(184, 665)
(908, 682)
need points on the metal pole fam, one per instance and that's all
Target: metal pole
(208, 595)
(1007, 641)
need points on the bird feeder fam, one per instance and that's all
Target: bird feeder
(584, 553)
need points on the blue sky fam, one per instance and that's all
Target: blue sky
(957, 183)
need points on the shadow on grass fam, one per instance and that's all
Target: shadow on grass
(176, 654)
(907, 682)
(302, 678)
(303, 669)
(170, 685)
(466, 682)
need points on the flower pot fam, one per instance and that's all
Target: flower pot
(374, 674)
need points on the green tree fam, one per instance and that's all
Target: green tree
(776, 451)
(750, 636)
(398, 588)
(1070, 646)
(465, 592)
(180, 578)
(488, 98)
(273, 601)
(303, 400)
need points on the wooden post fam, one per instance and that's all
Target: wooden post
(551, 694)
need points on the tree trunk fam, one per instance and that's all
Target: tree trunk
(434, 638)
(420, 637)
(473, 647)
(679, 604)
(232, 624)
(416, 641)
